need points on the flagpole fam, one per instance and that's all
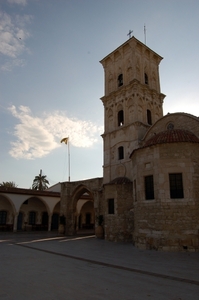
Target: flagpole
(68, 159)
(66, 141)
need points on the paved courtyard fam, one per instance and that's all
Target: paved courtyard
(49, 266)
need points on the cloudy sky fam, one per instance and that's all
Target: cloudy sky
(51, 80)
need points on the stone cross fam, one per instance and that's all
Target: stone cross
(129, 34)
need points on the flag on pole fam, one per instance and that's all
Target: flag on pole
(65, 140)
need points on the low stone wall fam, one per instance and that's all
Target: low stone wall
(164, 226)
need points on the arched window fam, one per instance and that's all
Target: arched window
(121, 152)
(149, 119)
(120, 118)
(120, 80)
(146, 78)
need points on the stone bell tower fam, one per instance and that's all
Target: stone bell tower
(132, 103)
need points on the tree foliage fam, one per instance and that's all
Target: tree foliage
(40, 182)
(8, 184)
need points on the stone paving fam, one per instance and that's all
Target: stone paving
(50, 266)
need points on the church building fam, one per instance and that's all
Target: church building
(149, 193)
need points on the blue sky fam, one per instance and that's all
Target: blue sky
(51, 80)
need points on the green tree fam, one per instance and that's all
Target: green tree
(40, 182)
(8, 184)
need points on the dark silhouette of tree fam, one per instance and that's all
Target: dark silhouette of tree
(40, 182)
(8, 184)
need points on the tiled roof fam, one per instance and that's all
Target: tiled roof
(172, 136)
(120, 180)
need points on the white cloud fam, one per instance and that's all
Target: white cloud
(13, 34)
(38, 136)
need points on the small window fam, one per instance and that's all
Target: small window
(3, 217)
(149, 187)
(120, 80)
(111, 206)
(176, 186)
(120, 118)
(146, 78)
(32, 218)
(149, 119)
(121, 152)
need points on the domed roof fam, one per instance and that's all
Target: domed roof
(172, 136)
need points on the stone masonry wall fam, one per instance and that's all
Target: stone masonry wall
(119, 226)
(165, 223)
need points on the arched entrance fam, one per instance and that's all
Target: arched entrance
(33, 215)
(80, 204)
(85, 215)
(82, 220)
(7, 213)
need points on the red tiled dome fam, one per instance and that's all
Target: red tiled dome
(172, 136)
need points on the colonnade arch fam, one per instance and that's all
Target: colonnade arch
(7, 213)
(28, 210)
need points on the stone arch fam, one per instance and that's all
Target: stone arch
(79, 191)
(120, 115)
(39, 207)
(2, 197)
(7, 206)
(120, 77)
(82, 195)
(86, 191)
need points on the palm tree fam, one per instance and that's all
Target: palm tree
(40, 182)
(8, 184)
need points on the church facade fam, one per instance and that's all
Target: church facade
(149, 193)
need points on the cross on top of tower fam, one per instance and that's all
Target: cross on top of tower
(129, 34)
